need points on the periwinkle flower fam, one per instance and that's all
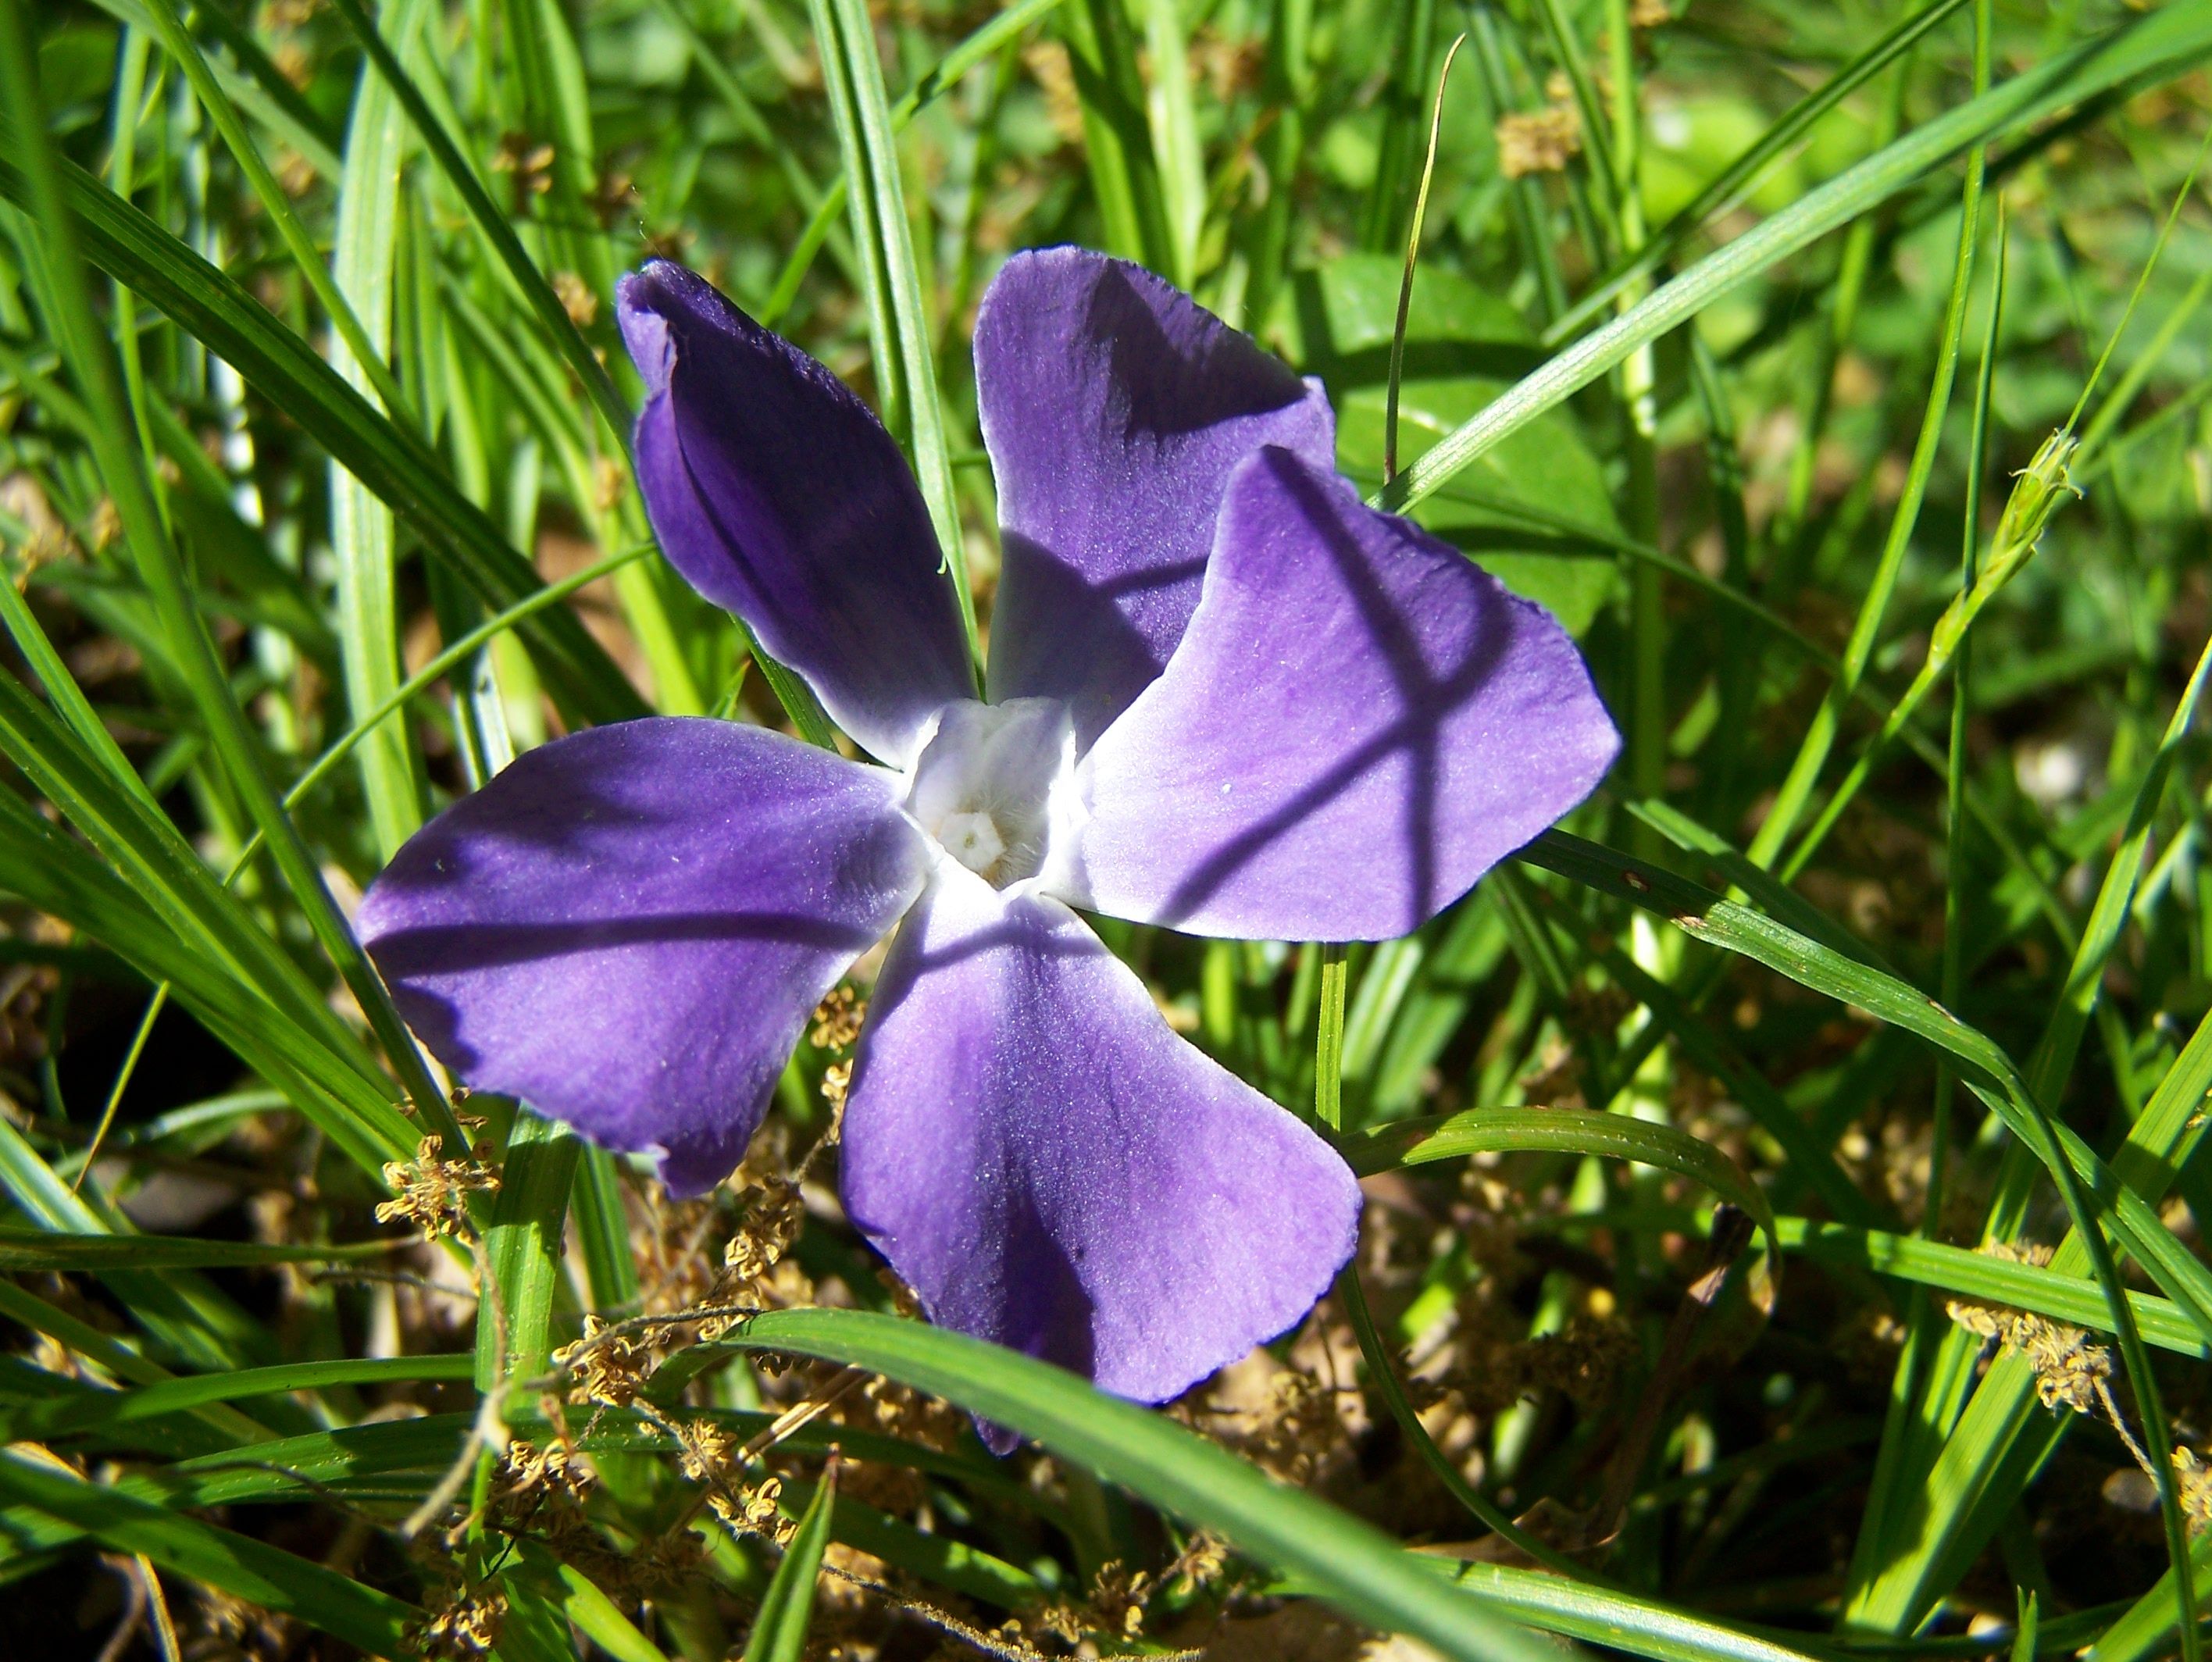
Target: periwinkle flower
(1225, 696)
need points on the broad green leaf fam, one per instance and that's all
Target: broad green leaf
(1463, 347)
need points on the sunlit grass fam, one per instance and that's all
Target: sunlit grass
(1784, 1233)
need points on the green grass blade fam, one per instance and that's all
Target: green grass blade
(149, 1402)
(786, 1610)
(240, 1566)
(523, 1249)
(2160, 44)
(36, 1252)
(1562, 1130)
(1728, 187)
(1349, 1563)
(529, 282)
(216, 312)
(2074, 1299)
(362, 535)
(899, 328)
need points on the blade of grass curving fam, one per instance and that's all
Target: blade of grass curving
(2080, 1175)
(237, 1564)
(2001, 1398)
(1328, 1110)
(440, 665)
(1384, 1376)
(1412, 258)
(255, 84)
(786, 1610)
(898, 322)
(121, 1362)
(1934, 1372)
(1348, 1562)
(183, 1313)
(216, 312)
(1808, 1157)
(59, 876)
(1984, 1065)
(133, 834)
(1728, 189)
(1561, 1130)
(2159, 43)
(160, 567)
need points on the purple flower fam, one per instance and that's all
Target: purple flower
(1225, 696)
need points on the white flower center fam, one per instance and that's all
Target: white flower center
(995, 785)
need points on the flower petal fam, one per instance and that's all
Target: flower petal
(628, 928)
(1114, 408)
(780, 497)
(1050, 1168)
(1359, 723)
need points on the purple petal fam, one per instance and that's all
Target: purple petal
(1114, 408)
(1050, 1168)
(780, 497)
(1358, 723)
(629, 927)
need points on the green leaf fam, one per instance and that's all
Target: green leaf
(362, 531)
(1463, 347)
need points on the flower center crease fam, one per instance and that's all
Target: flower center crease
(994, 787)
